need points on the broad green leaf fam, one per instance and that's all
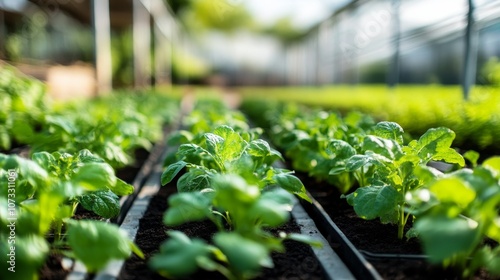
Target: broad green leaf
(96, 243)
(356, 162)
(121, 188)
(192, 153)
(376, 202)
(292, 184)
(437, 231)
(180, 256)
(186, 207)
(233, 145)
(232, 191)
(95, 176)
(29, 253)
(341, 149)
(385, 147)
(453, 190)
(194, 180)
(171, 171)
(389, 130)
(102, 202)
(44, 159)
(450, 156)
(493, 164)
(472, 157)
(246, 257)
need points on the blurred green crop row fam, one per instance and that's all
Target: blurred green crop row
(416, 108)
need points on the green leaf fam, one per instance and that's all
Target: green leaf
(95, 176)
(435, 141)
(472, 157)
(453, 190)
(102, 202)
(246, 257)
(186, 207)
(232, 191)
(437, 231)
(96, 243)
(233, 144)
(389, 130)
(192, 153)
(356, 162)
(179, 256)
(376, 202)
(121, 188)
(86, 156)
(194, 180)
(304, 239)
(493, 164)
(171, 171)
(292, 184)
(385, 147)
(44, 159)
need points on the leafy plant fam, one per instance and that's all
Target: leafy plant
(245, 210)
(456, 212)
(225, 151)
(39, 202)
(386, 170)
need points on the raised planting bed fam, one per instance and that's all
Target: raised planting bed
(145, 222)
(369, 242)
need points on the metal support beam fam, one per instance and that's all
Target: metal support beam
(102, 41)
(470, 55)
(393, 78)
(142, 43)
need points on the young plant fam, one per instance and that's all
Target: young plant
(456, 213)
(34, 204)
(386, 170)
(241, 213)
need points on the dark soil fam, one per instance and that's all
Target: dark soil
(298, 262)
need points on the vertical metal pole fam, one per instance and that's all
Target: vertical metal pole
(393, 78)
(142, 43)
(470, 55)
(3, 34)
(102, 44)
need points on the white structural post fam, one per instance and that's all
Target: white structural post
(102, 45)
(142, 43)
(470, 55)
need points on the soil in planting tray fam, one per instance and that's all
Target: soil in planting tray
(299, 262)
(374, 237)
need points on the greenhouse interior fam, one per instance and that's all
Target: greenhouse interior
(250, 139)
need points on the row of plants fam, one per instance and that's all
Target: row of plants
(416, 108)
(71, 153)
(385, 174)
(112, 126)
(227, 177)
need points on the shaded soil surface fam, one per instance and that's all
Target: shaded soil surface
(374, 237)
(299, 261)
(128, 173)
